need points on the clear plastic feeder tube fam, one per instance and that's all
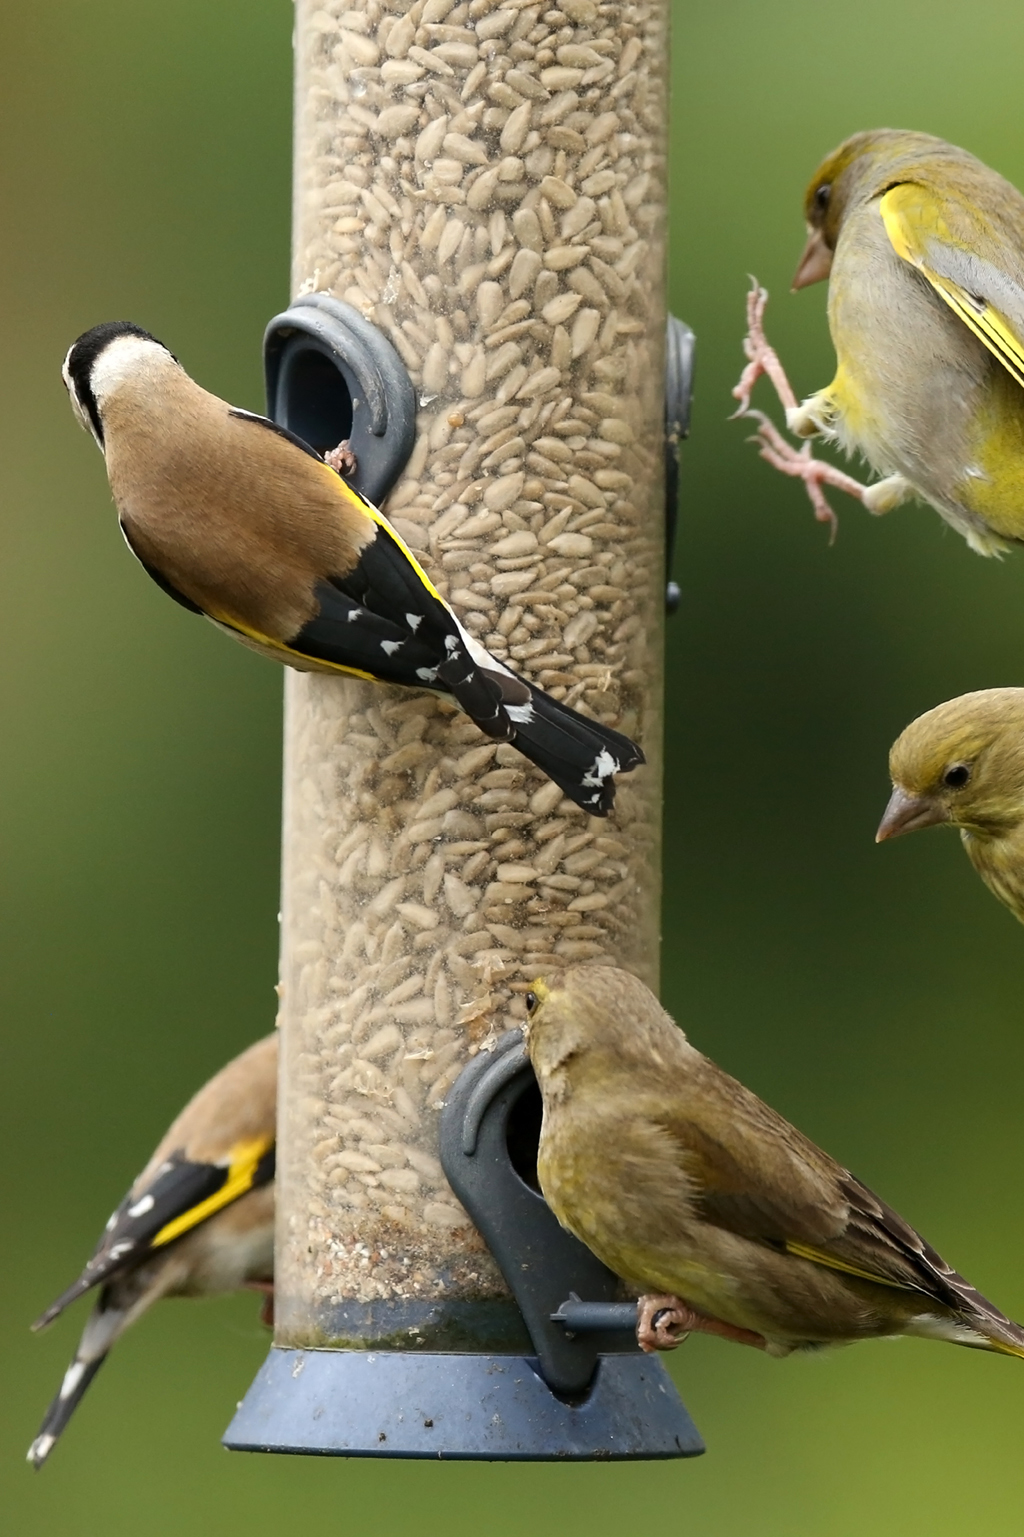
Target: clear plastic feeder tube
(486, 183)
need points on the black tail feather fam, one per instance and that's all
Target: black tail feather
(63, 1407)
(580, 755)
(478, 692)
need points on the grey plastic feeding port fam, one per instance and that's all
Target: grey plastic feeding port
(331, 375)
(577, 1389)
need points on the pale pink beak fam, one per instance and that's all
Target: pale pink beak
(906, 813)
(815, 263)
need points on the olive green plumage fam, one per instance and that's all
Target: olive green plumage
(923, 246)
(963, 763)
(683, 1181)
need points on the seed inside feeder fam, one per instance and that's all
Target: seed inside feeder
(486, 184)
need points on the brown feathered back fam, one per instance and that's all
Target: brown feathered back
(253, 516)
(239, 1104)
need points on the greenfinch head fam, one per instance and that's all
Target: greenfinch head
(963, 763)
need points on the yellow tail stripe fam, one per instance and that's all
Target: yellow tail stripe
(245, 1158)
(1004, 1349)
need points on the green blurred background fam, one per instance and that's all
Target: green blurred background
(873, 995)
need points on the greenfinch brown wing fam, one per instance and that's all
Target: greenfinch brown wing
(686, 1184)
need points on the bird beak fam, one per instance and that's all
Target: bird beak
(815, 263)
(906, 813)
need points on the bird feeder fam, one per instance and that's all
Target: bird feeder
(478, 264)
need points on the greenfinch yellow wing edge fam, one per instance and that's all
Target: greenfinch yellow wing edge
(920, 235)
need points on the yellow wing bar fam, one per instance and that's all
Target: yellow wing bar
(245, 1159)
(820, 1257)
(909, 211)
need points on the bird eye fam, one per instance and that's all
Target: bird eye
(531, 1002)
(822, 195)
(957, 775)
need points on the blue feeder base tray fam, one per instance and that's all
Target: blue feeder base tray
(487, 1408)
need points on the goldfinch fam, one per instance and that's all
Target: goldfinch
(963, 763)
(198, 1220)
(239, 520)
(688, 1186)
(923, 247)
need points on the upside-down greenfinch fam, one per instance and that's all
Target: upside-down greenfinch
(923, 247)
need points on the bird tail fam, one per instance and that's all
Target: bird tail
(77, 1289)
(580, 755)
(1005, 1348)
(103, 1328)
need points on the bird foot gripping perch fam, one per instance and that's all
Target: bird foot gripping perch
(665, 1321)
(763, 361)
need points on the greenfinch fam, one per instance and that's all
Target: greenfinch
(687, 1185)
(923, 246)
(198, 1220)
(963, 763)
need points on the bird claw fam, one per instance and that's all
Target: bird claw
(342, 459)
(664, 1321)
(800, 462)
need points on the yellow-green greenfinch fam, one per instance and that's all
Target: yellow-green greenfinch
(198, 1220)
(685, 1183)
(963, 763)
(923, 246)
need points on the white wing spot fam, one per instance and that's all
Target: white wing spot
(451, 644)
(41, 1448)
(119, 1250)
(141, 1207)
(602, 767)
(354, 613)
(414, 621)
(522, 714)
(389, 647)
(427, 674)
(72, 1377)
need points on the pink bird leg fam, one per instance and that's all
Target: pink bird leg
(763, 360)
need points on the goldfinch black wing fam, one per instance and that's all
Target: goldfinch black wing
(380, 618)
(181, 1194)
(282, 432)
